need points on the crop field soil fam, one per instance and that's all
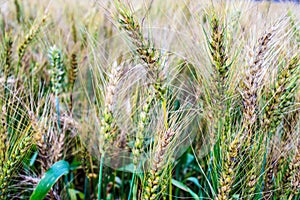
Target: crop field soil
(149, 100)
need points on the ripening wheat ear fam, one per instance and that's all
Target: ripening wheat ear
(15, 144)
(282, 95)
(40, 139)
(280, 99)
(228, 169)
(146, 51)
(250, 92)
(73, 71)
(251, 84)
(154, 66)
(221, 69)
(72, 75)
(109, 128)
(142, 124)
(28, 39)
(217, 47)
(155, 177)
(11, 163)
(269, 176)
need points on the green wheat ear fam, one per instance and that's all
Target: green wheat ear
(57, 77)
(57, 70)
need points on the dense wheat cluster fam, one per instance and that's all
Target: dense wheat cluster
(152, 99)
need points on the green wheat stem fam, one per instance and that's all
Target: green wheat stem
(100, 176)
(131, 185)
(86, 182)
(170, 187)
(135, 192)
(58, 112)
(261, 180)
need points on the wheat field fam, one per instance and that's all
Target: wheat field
(148, 100)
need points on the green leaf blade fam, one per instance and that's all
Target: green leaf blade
(57, 170)
(185, 188)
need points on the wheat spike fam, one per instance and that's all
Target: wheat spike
(144, 48)
(28, 38)
(227, 175)
(282, 95)
(108, 127)
(154, 177)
